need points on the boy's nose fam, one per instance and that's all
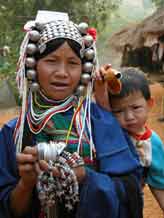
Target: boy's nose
(129, 115)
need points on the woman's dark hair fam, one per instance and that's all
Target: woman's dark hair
(55, 44)
(133, 80)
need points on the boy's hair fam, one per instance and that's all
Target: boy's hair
(133, 80)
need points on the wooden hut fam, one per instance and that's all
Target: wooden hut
(142, 45)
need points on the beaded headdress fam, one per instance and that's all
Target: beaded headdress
(38, 34)
(59, 29)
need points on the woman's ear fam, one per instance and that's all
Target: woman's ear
(151, 102)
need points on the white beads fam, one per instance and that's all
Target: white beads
(88, 40)
(65, 187)
(83, 27)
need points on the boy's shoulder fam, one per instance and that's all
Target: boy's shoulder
(156, 170)
(155, 138)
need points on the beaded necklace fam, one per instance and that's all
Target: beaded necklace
(41, 110)
(37, 117)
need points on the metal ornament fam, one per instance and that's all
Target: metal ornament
(31, 49)
(88, 67)
(39, 26)
(34, 35)
(31, 74)
(89, 54)
(85, 78)
(80, 90)
(59, 29)
(83, 27)
(34, 87)
(30, 62)
(50, 151)
(88, 40)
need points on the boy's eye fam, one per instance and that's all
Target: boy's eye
(117, 111)
(136, 107)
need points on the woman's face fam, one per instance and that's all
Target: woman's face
(59, 72)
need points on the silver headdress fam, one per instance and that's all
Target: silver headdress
(59, 29)
(40, 32)
(49, 26)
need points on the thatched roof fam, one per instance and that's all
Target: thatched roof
(137, 34)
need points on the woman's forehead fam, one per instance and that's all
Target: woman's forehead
(64, 50)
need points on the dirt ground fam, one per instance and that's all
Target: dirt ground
(151, 209)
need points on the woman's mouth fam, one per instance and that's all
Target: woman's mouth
(59, 85)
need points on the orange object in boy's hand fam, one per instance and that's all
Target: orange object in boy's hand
(106, 80)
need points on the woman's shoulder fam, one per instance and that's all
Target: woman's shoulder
(98, 111)
(10, 125)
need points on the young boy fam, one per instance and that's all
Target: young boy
(131, 107)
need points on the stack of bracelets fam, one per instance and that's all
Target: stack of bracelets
(64, 188)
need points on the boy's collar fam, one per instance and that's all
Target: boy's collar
(147, 133)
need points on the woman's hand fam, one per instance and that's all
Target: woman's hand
(80, 173)
(101, 88)
(28, 167)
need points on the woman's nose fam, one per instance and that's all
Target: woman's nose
(62, 70)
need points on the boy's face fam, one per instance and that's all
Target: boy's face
(131, 111)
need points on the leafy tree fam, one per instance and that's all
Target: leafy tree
(158, 3)
(15, 13)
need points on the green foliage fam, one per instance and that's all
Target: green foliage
(158, 3)
(15, 13)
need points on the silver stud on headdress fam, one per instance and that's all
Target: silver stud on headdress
(31, 74)
(30, 62)
(31, 49)
(85, 78)
(89, 54)
(34, 35)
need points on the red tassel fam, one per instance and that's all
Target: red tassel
(93, 32)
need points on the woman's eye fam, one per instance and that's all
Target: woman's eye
(50, 60)
(73, 63)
